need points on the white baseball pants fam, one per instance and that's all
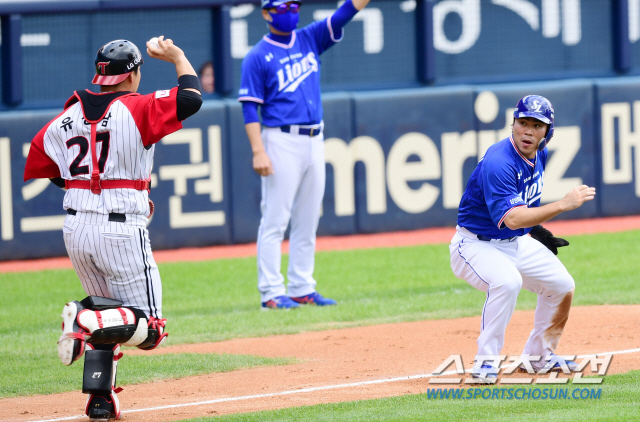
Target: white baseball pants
(114, 259)
(293, 193)
(501, 269)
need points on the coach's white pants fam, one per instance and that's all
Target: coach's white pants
(500, 269)
(114, 259)
(294, 192)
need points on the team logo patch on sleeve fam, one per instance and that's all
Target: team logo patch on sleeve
(162, 94)
(516, 200)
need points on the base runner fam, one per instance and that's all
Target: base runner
(492, 252)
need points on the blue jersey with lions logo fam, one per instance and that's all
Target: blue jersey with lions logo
(285, 78)
(503, 181)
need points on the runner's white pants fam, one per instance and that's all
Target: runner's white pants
(114, 259)
(293, 193)
(501, 269)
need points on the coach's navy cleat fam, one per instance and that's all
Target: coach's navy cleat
(279, 302)
(314, 298)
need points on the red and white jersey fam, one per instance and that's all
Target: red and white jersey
(131, 124)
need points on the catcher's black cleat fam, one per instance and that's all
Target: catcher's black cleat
(99, 415)
(101, 409)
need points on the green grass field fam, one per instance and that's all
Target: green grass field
(618, 401)
(218, 300)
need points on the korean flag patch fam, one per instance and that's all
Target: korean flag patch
(162, 94)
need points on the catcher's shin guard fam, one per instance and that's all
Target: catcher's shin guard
(99, 381)
(98, 320)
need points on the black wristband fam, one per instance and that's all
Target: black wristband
(189, 81)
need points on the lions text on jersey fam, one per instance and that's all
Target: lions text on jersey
(503, 180)
(283, 77)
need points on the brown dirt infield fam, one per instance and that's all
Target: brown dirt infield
(347, 356)
(336, 357)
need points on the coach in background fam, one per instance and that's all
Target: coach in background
(281, 74)
(100, 149)
(492, 252)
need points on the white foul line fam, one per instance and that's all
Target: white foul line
(306, 390)
(619, 352)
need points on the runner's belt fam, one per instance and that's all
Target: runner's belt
(488, 239)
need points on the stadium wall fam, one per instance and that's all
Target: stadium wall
(390, 44)
(396, 160)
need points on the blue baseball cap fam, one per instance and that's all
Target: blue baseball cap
(268, 4)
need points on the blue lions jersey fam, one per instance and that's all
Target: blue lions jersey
(503, 181)
(285, 78)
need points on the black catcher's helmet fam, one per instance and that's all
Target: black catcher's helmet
(115, 61)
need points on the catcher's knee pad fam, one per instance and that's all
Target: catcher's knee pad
(99, 381)
(98, 320)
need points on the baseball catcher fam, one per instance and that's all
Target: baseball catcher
(100, 150)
